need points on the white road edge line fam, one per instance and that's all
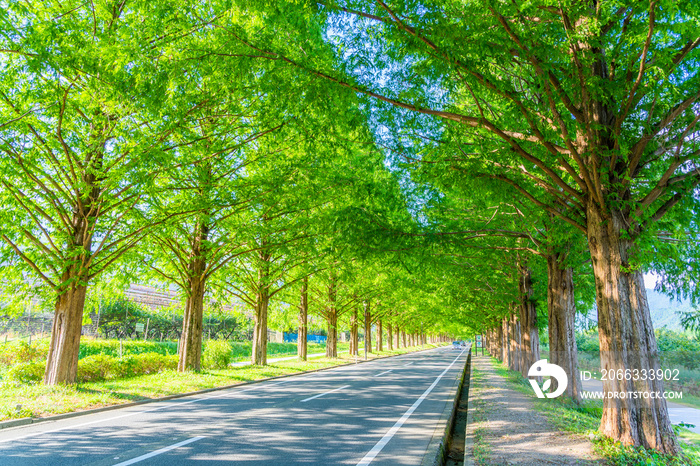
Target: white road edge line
(382, 443)
(324, 394)
(407, 364)
(382, 373)
(158, 452)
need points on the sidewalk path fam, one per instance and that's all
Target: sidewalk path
(677, 413)
(508, 430)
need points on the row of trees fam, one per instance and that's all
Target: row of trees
(456, 165)
(133, 151)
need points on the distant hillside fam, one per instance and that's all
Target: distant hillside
(663, 311)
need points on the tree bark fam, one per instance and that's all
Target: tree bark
(505, 342)
(403, 337)
(332, 313)
(561, 308)
(627, 339)
(380, 346)
(190, 347)
(303, 320)
(514, 343)
(398, 337)
(498, 342)
(64, 349)
(390, 336)
(354, 333)
(368, 327)
(262, 299)
(529, 333)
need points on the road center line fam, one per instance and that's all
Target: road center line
(324, 394)
(382, 373)
(158, 452)
(382, 443)
(407, 364)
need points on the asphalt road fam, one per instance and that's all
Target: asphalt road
(383, 412)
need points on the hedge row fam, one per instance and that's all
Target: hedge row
(99, 359)
(20, 352)
(99, 367)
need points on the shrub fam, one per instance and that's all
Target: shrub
(217, 354)
(111, 347)
(96, 368)
(27, 372)
(20, 351)
(102, 367)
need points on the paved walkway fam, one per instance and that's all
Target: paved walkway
(506, 429)
(677, 413)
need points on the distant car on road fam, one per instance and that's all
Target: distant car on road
(459, 345)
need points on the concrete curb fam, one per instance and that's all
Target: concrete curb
(439, 444)
(34, 420)
(469, 435)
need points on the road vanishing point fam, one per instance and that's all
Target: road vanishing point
(383, 412)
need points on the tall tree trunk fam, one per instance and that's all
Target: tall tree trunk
(505, 342)
(529, 333)
(368, 327)
(561, 308)
(627, 341)
(62, 361)
(332, 340)
(398, 337)
(64, 349)
(514, 343)
(303, 320)
(498, 342)
(403, 337)
(262, 300)
(354, 333)
(259, 356)
(390, 336)
(190, 347)
(380, 331)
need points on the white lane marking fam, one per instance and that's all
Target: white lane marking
(382, 443)
(382, 373)
(158, 408)
(324, 394)
(407, 364)
(158, 452)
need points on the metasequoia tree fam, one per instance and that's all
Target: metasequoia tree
(275, 233)
(594, 102)
(208, 181)
(81, 150)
